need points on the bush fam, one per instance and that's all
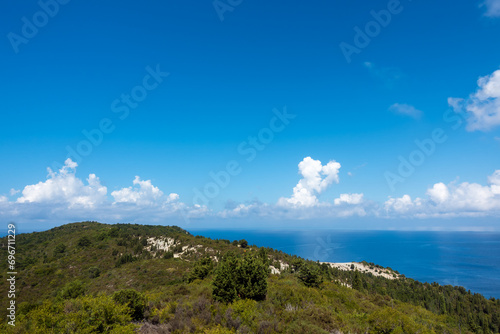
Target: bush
(240, 278)
(202, 268)
(310, 276)
(252, 278)
(125, 258)
(84, 241)
(178, 249)
(81, 315)
(59, 249)
(72, 290)
(134, 300)
(243, 243)
(94, 272)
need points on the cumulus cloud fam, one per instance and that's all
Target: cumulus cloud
(63, 187)
(349, 199)
(400, 205)
(452, 200)
(492, 8)
(405, 109)
(64, 197)
(483, 106)
(316, 178)
(142, 193)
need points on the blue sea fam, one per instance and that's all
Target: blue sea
(468, 259)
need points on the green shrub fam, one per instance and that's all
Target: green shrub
(60, 248)
(94, 272)
(81, 315)
(202, 268)
(310, 276)
(134, 300)
(84, 241)
(125, 258)
(178, 249)
(72, 290)
(240, 278)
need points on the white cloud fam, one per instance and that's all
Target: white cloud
(64, 197)
(143, 193)
(349, 199)
(315, 179)
(405, 109)
(13, 191)
(439, 193)
(63, 187)
(400, 205)
(492, 8)
(483, 106)
(463, 199)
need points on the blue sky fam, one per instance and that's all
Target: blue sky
(232, 66)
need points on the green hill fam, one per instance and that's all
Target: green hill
(96, 278)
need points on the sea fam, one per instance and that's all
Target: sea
(468, 259)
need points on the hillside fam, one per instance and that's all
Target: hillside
(96, 278)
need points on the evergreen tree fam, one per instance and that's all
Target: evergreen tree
(252, 278)
(237, 277)
(224, 283)
(310, 276)
(202, 268)
(356, 281)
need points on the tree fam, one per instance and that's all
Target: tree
(134, 300)
(262, 254)
(243, 243)
(202, 268)
(252, 278)
(72, 290)
(356, 281)
(224, 283)
(310, 276)
(94, 272)
(60, 248)
(237, 277)
(84, 241)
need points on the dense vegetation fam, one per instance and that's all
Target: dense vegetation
(96, 278)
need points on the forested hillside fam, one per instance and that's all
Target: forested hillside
(96, 278)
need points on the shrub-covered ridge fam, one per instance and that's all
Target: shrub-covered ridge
(96, 278)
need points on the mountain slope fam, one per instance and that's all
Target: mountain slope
(74, 278)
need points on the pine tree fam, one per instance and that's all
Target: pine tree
(224, 283)
(244, 278)
(356, 281)
(252, 278)
(310, 276)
